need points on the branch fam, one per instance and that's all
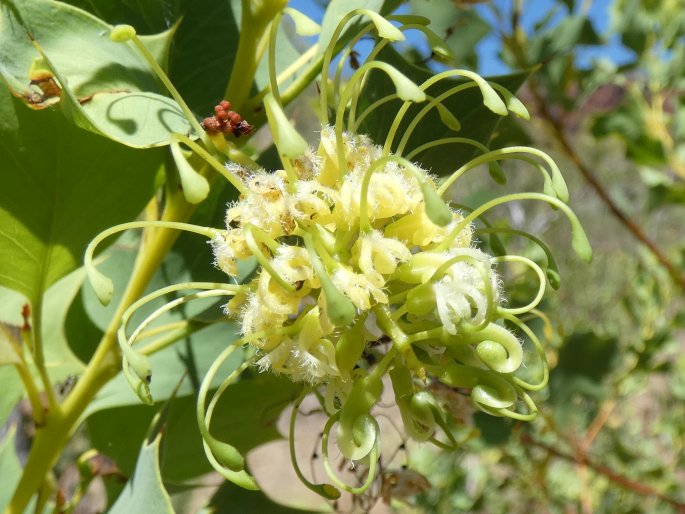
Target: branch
(622, 481)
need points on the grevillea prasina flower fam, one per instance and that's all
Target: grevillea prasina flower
(361, 253)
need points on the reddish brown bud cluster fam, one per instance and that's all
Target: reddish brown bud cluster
(226, 121)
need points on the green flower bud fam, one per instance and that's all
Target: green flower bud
(421, 300)
(195, 186)
(436, 209)
(102, 285)
(122, 33)
(227, 455)
(289, 142)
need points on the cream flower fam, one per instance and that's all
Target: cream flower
(228, 248)
(309, 357)
(462, 294)
(358, 288)
(265, 206)
(377, 256)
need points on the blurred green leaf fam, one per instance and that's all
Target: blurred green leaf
(10, 383)
(585, 359)
(335, 11)
(80, 331)
(628, 122)
(204, 49)
(231, 498)
(562, 38)
(493, 431)
(10, 336)
(12, 392)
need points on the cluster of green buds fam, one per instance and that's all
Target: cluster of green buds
(361, 254)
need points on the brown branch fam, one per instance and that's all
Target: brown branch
(597, 424)
(622, 481)
(632, 227)
(516, 45)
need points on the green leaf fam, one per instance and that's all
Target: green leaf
(145, 493)
(335, 11)
(12, 391)
(461, 28)
(562, 38)
(192, 355)
(10, 467)
(10, 336)
(477, 121)
(10, 383)
(147, 17)
(106, 87)
(80, 331)
(59, 359)
(200, 64)
(494, 431)
(60, 186)
(288, 44)
(245, 417)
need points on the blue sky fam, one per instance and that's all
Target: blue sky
(599, 14)
(533, 11)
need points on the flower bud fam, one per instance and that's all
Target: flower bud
(122, 33)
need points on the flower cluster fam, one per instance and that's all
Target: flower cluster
(367, 276)
(313, 242)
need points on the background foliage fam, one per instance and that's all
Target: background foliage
(609, 438)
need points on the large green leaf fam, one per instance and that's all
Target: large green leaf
(60, 186)
(107, 87)
(145, 493)
(148, 17)
(192, 355)
(477, 121)
(245, 417)
(203, 53)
